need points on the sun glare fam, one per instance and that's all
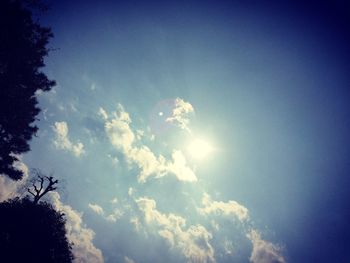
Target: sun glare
(198, 149)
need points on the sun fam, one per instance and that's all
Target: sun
(199, 149)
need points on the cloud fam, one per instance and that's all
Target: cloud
(180, 169)
(128, 260)
(113, 217)
(136, 222)
(140, 134)
(228, 247)
(122, 137)
(102, 113)
(147, 162)
(114, 159)
(230, 208)
(93, 86)
(10, 188)
(119, 131)
(82, 237)
(180, 114)
(263, 251)
(62, 140)
(192, 241)
(114, 200)
(96, 208)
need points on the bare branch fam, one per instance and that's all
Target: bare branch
(41, 190)
(28, 189)
(41, 182)
(36, 189)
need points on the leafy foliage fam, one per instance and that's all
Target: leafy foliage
(31, 232)
(22, 50)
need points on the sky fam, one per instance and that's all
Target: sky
(186, 131)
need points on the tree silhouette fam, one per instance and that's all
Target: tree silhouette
(23, 46)
(32, 232)
(41, 185)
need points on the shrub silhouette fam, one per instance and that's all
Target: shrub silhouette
(32, 232)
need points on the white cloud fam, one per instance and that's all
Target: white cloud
(62, 140)
(119, 131)
(140, 134)
(114, 159)
(230, 208)
(115, 215)
(96, 208)
(147, 162)
(192, 241)
(179, 168)
(93, 86)
(228, 247)
(122, 137)
(112, 217)
(101, 112)
(136, 222)
(10, 188)
(263, 251)
(180, 114)
(82, 237)
(114, 200)
(128, 260)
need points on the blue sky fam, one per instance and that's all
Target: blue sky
(265, 85)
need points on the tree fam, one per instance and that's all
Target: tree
(23, 46)
(41, 185)
(33, 232)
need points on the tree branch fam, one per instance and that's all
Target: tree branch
(41, 190)
(28, 189)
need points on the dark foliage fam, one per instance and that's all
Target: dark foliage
(22, 50)
(31, 232)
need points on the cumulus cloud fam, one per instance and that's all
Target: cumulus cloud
(96, 208)
(192, 242)
(180, 114)
(263, 251)
(62, 140)
(230, 208)
(82, 237)
(147, 162)
(10, 188)
(178, 167)
(122, 137)
(119, 131)
(112, 217)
